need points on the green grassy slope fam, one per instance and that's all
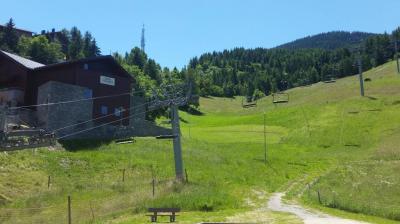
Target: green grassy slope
(324, 127)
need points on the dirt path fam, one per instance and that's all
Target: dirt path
(309, 217)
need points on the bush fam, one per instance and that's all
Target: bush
(258, 94)
(216, 91)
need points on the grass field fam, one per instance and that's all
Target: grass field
(327, 137)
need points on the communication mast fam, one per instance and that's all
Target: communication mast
(142, 41)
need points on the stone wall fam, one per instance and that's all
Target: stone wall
(12, 96)
(53, 117)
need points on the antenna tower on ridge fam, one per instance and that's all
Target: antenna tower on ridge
(142, 41)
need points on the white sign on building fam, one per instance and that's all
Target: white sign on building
(107, 80)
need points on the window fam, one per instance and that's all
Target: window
(87, 93)
(85, 66)
(118, 111)
(104, 110)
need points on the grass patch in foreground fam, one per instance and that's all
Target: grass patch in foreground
(370, 187)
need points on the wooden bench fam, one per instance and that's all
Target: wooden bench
(163, 212)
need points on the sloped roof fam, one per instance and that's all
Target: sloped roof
(107, 58)
(37, 66)
(23, 61)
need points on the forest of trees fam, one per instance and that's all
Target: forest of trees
(149, 75)
(329, 41)
(258, 72)
(66, 45)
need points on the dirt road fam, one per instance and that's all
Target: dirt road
(309, 217)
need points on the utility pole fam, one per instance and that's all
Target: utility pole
(360, 75)
(177, 143)
(265, 142)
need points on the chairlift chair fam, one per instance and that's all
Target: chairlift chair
(165, 137)
(249, 104)
(125, 140)
(280, 97)
(329, 79)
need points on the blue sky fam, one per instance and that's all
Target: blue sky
(177, 30)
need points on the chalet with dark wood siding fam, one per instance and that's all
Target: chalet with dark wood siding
(99, 88)
(103, 76)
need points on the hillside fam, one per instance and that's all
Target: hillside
(258, 72)
(342, 145)
(329, 41)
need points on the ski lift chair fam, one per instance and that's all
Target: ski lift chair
(280, 97)
(330, 79)
(249, 104)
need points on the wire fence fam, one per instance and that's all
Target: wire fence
(90, 199)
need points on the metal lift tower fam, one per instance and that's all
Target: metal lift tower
(173, 96)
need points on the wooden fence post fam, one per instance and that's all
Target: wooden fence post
(154, 186)
(91, 209)
(69, 210)
(319, 197)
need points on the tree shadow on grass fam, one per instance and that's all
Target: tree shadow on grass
(396, 102)
(371, 98)
(192, 111)
(183, 120)
(84, 144)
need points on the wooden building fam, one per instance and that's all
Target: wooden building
(101, 76)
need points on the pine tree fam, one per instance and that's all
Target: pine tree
(87, 41)
(10, 37)
(151, 69)
(75, 49)
(137, 57)
(94, 49)
(64, 38)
